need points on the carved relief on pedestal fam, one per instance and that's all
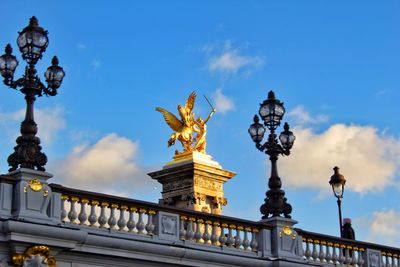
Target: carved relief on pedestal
(35, 256)
(207, 184)
(169, 225)
(178, 184)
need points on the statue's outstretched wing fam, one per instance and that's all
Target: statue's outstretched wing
(190, 102)
(171, 119)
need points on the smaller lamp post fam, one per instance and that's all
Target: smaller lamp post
(337, 182)
(271, 112)
(32, 42)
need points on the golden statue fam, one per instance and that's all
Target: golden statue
(183, 128)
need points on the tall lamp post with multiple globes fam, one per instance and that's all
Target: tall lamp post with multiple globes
(32, 42)
(271, 112)
(337, 182)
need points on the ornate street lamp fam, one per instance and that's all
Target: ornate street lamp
(337, 182)
(32, 42)
(271, 112)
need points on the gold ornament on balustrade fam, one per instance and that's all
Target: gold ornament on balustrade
(34, 253)
(190, 132)
(35, 185)
(286, 230)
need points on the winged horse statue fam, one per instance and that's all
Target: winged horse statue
(182, 127)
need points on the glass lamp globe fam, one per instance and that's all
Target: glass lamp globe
(256, 130)
(337, 182)
(8, 63)
(54, 74)
(287, 137)
(271, 111)
(32, 41)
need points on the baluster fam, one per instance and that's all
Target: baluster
(131, 221)
(387, 256)
(328, 255)
(206, 234)
(231, 240)
(102, 218)
(121, 221)
(93, 216)
(246, 241)
(112, 221)
(353, 256)
(197, 234)
(63, 209)
(140, 226)
(82, 217)
(214, 237)
(238, 240)
(307, 253)
(222, 238)
(182, 231)
(150, 225)
(347, 258)
(314, 253)
(395, 260)
(335, 257)
(360, 257)
(321, 251)
(392, 260)
(72, 214)
(190, 229)
(253, 242)
(341, 256)
(383, 255)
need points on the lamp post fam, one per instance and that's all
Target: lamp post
(32, 42)
(337, 182)
(271, 112)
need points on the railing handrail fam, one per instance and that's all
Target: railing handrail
(345, 241)
(7, 179)
(153, 206)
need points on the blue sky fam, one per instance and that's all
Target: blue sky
(334, 63)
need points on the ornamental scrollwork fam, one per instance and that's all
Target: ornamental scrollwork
(35, 256)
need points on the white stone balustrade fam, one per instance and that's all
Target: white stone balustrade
(103, 215)
(215, 233)
(332, 253)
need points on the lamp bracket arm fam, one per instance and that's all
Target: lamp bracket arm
(14, 84)
(260, 147)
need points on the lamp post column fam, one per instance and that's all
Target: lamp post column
(339, 203)
(32, 42)
(337, 182)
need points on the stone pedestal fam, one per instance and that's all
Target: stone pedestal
(282, 241)
(33, 199)
(193, 181)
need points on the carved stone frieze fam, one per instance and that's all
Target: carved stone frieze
(207, 184)
(177, 184)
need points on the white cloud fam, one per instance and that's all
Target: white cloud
(96, 63)
(384, 228)
(223, 103)
(49, 120)
(81, 46)
(300, 117)
(369, 161)
(110, 165)
(229, 60)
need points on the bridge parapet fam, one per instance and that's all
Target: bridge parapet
(331, 250)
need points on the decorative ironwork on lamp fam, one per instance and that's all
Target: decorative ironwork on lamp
(271, 111)
(32, 42)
